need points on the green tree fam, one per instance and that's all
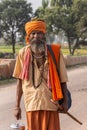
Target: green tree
(62, 3)
(13, 15)
(45, 3)
(80, 10)
(41, 10)
(71, 19)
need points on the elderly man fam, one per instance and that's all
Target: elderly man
(38, 80)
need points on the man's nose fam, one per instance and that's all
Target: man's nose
(36, 35)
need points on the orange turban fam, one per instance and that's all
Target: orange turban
(34, 26)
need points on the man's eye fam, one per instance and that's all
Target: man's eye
(33, 33)
(38, 33)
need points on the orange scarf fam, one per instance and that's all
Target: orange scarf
(54, 78)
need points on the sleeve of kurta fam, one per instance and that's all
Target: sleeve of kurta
(62, 69)
(18, 65)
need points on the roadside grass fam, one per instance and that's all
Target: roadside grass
(78, 52)
(8, 49)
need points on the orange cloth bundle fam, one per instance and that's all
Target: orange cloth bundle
(55, 82)
(34, 26)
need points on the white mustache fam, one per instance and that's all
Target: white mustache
(38, 40)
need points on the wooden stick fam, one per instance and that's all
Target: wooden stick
(74, 118)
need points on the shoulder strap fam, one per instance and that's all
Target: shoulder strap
(53, 56)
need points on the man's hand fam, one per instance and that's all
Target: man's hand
(63, 108)
(17, 113)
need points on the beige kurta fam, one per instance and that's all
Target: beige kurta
(38, 98)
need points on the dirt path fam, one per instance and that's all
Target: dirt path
(78, 87)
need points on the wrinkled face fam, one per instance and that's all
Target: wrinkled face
(37, 43)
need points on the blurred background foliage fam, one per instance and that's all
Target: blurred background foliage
(66, 24)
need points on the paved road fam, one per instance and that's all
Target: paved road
(78, 87)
